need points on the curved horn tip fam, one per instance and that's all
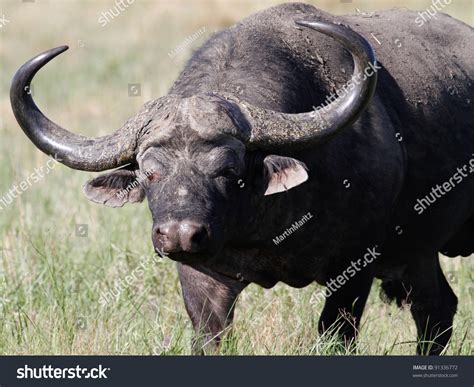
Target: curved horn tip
(51, 53)
(75, 151)
(313, 24)
(61, 49)
(324, 27)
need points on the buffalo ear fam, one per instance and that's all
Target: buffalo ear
(283, 173)
(114, 189)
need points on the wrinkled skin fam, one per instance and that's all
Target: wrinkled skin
(217, 203)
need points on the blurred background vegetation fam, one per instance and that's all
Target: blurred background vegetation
(51, 276)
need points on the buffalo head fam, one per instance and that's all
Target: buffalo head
(196, 159)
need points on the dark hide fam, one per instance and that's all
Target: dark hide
(208, 198)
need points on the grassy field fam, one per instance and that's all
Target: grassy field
(59, 252)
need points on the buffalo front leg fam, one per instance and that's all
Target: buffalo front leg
(433, 306)
(209, 299)
(344, 306)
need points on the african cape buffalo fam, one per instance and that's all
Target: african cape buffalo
(247, 143)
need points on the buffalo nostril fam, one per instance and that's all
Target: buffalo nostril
(199, 236)
(193, 236)
(167, 229)
(166, 237)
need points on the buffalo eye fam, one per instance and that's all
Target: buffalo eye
(152, 176)
(151, 170)
(227, 172)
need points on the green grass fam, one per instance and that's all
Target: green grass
(51, 280)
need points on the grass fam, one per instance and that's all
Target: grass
(51, 278)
